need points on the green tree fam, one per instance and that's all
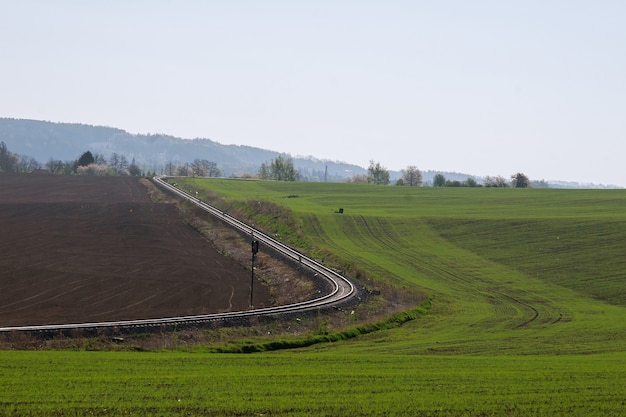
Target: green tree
(439, 180)
(377, 174)
(134, 170)
(9, 162)
(470, 182)
(411, 177)
(264, 171)
(453, 183)
(279, 169)
(86, 159)
(520, 180)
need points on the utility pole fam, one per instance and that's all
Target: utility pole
(255, 250)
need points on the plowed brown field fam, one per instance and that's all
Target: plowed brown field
(83, 249)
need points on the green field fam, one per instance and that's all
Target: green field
(528, 307)
(330, 382)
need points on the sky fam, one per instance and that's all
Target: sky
(478, 87)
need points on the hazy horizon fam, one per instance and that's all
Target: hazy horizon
(484, 88)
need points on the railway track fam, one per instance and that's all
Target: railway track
(342, 288)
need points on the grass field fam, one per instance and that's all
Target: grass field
(327, 382)
(528, 297)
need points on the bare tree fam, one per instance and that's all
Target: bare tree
(56, 166)
(114, 160)
(496, 182)
(211, 169)
(28, 163)
(197, 168)
(183, 170)
(358, 179)
(123, 164)
(169, 168)
(204, 168)
(411, 176)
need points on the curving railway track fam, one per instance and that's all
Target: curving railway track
(342, 288)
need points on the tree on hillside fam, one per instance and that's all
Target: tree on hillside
(280, 169)
(520, 180)
(86, 159)
(439, 180)
(377, 174)
(411, 177)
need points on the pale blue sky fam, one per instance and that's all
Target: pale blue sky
(480, 87)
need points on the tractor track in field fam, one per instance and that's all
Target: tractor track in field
(512, 300)
(525, 304)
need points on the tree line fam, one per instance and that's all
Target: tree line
(411, 176)
(89, 163)
(118, 164)
(12, 162)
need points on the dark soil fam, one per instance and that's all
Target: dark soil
(82, 249)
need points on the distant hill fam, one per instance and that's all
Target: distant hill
(67, 141)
